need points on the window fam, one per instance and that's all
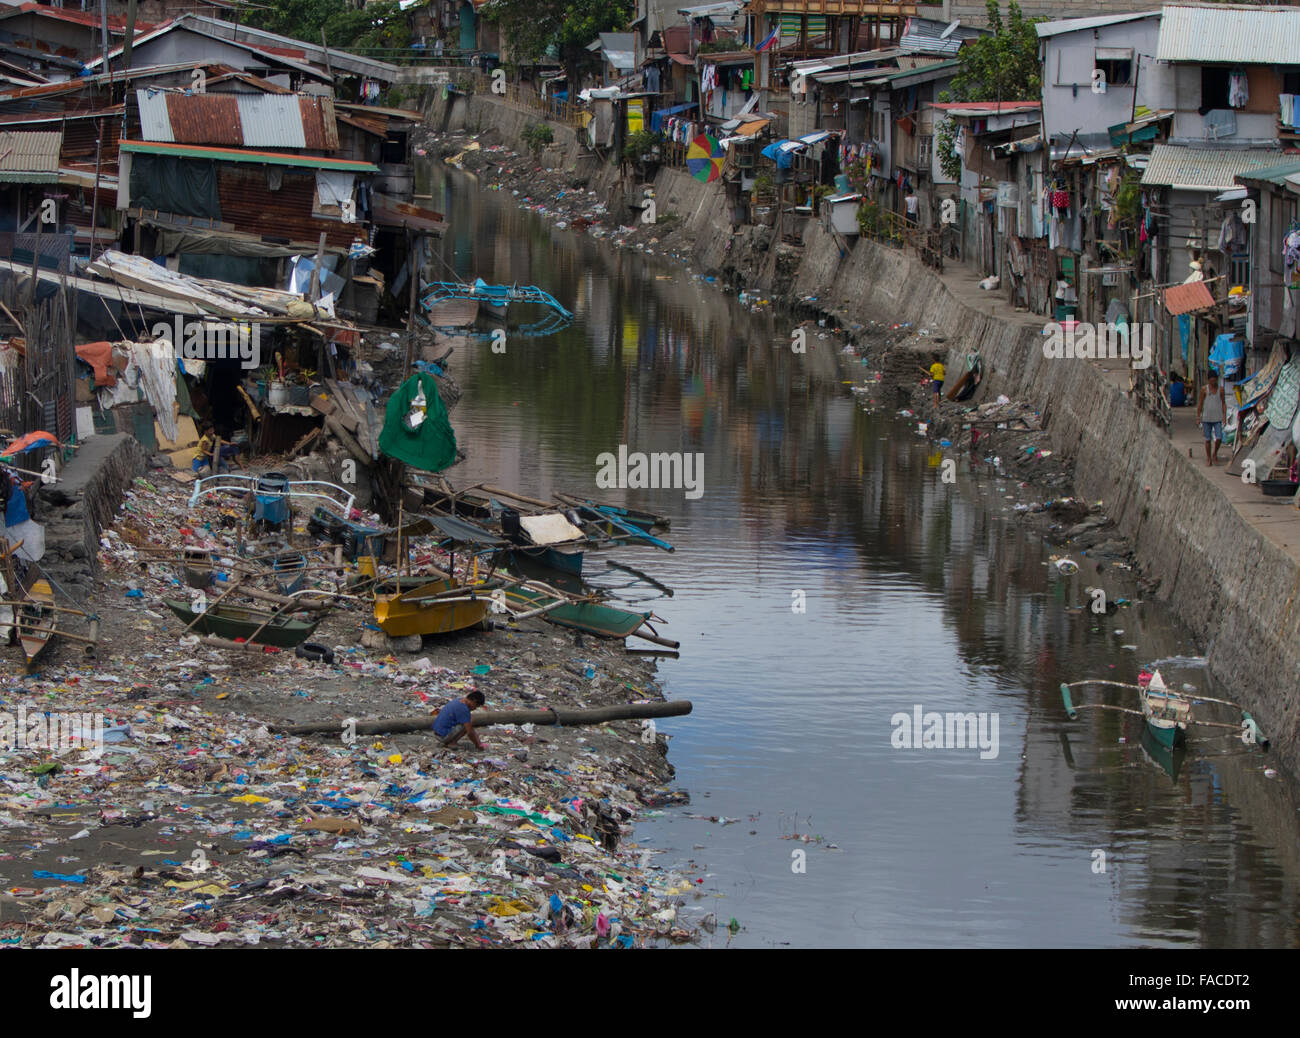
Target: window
(1116, 65)
(924, 143)
(1214, 89)
(1291, 82)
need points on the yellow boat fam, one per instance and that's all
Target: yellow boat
(436, 607)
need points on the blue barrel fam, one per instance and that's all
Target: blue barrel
(271, 501)
(1177, 394)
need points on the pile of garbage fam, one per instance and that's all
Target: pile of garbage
(153, 798)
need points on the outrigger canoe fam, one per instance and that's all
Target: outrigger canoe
(433, 607)
(1167, 713)
(241, 623)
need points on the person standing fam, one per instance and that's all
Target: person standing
(936, 371)
(912, 205)
(1211, 409)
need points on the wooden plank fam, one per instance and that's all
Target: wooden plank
(248, 402)
(373, 425)
(348, 440)
(344, 414)
(305, 442)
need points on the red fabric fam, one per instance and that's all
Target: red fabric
(99, 355)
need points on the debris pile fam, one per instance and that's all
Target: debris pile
(173, 809)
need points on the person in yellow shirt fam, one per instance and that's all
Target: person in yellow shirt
(203, 455)
(936, 372)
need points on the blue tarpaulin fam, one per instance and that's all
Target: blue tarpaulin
(1227, 355)
(657, 119)
(783, 157)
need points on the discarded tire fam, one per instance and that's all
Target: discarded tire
(312, 651)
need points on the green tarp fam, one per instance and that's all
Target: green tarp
(420, 436)
(175, 185)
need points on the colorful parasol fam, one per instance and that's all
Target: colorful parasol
(704, 158)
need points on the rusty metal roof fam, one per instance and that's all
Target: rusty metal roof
(30, 157)
(1183, 299)
(239, 120)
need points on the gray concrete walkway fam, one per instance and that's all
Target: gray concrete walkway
(1276, 518)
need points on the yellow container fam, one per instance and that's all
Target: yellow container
(366, 565)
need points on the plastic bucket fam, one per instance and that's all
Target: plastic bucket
(277, 394)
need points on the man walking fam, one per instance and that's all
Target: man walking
(1210, 412)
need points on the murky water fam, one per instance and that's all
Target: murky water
(915, 594)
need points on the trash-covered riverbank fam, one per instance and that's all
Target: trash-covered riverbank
(196, 823)
(1001, 439)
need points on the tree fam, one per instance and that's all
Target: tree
(377, 26)
(1003, 66)
(533, 27)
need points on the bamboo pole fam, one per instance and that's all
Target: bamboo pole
(550, 506)
(486, 718)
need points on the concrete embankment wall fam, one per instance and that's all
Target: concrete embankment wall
(1234, 589)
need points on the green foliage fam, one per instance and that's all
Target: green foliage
(535, 26)
(638, 146)
(537, 136)
(763, 183)
(727, 43)
(945, 144)
(1128, 201)
(869, 221)
(377, 26)
(1003, 66)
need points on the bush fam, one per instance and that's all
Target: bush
(640, 146)
(869, 219)
(537, 136)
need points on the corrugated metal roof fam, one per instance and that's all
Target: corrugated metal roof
(31, 157)
(1183, 299)
(926, 36)
(1202, 169)
(1271, 174)
(248, 120)
(267, 158)
(1250, 35)
(1099, 22)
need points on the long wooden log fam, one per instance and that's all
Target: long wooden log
(485, 718)
(344, 437)
(667, 642)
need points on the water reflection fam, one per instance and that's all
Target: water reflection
(916, 592)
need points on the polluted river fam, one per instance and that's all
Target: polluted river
(828, 587)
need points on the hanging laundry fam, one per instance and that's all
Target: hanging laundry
(1238, 91)
(1232, 235)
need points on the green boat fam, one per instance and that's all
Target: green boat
(591, 617)
(238, 623)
